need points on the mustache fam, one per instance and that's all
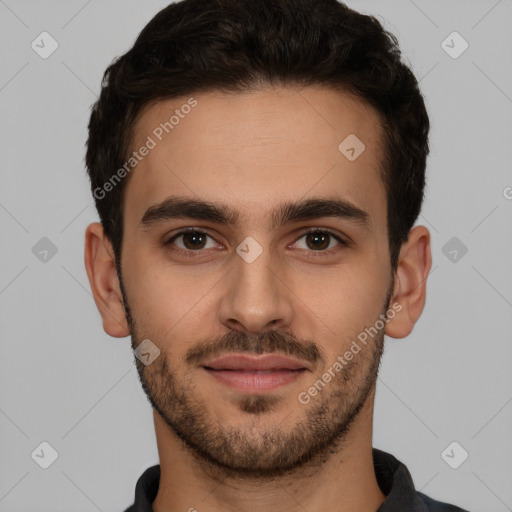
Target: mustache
(265, 342)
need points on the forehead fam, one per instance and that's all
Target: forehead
(256, 149)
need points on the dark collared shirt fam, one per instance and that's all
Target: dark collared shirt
(393, 478)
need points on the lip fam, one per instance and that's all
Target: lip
(255, 374)
(242, 362)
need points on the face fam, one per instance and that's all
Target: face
(249, 176)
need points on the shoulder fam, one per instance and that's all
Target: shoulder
(437, 506)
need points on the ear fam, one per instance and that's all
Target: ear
(101, 270)
(413, 267)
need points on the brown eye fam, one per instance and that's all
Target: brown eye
(192, 241)
(320, 241)
(317, 241)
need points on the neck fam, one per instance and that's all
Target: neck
(343, 480)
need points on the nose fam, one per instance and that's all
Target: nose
(256, 297)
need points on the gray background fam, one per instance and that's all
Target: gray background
(64, 381)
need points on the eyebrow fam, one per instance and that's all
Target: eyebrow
(177, 207)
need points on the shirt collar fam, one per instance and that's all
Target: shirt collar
(393, 478)
(396, 483)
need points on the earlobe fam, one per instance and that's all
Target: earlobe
(413, 267)
(101, 270)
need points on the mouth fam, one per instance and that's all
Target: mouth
(255, 374)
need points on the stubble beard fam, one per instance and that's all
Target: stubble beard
(262, 448)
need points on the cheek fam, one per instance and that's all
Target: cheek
(164, 299)
(147, 289)
(353, 290)
(341, 303)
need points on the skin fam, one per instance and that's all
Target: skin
(253, 151)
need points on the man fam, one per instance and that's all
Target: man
(258, 168)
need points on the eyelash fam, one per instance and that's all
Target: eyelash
(192, 254)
